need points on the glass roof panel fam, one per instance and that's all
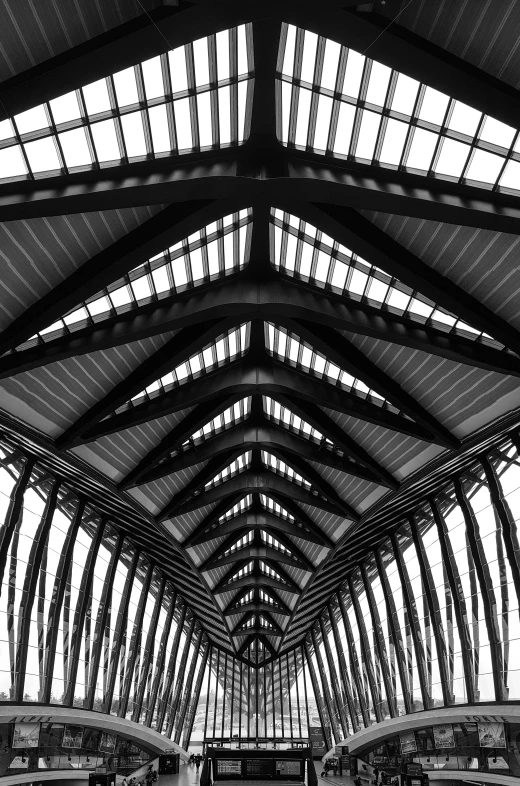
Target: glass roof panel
(229, 418)
(245, 571)
(338, 102)
(273, 542)
(235, 468)
(268, 571)
(273, 507)
(303, 252)
(243, 541)
(289, 348)
(281, 468)
(241, 507)
(166, 106)
(226, 349)
(214, 252)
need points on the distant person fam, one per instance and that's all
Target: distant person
(197, 761)
(125, 782)
(376, 775)
(357, 781)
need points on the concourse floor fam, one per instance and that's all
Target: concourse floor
(331, 780)
(189, 776)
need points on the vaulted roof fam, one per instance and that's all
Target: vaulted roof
(259, 280)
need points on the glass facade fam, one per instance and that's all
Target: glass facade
(428, 619)
(431, 617)
(86, 620)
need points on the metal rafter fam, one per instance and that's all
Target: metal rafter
(175, 352)
(310, 178)
(265, 482)
(260, 518)
(349, 227)
(245, 377)
(271, 297)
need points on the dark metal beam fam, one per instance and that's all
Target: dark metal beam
(271, 297)
(179, 349)
(170, 226)
(191, 423)
(310, 178)
(250, 482)
(257, 542)
(265, 520)
(347, 356)
(349, 227)
(260, 580)
(257, 552)
(247, 378)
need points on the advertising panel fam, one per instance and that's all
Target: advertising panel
(408, 742)
(26, 735)
(317, 739)
(491, 735)
(108, 742)
(72, 737)
(443, 736)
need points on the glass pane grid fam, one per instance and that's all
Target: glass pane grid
(268, 571)
(273, 542)
(236, 510)
(223, 351)
(190, 99)
(288, 348)
(273, 507)
(339, 103)
(241, 573)
(279, 467)
(245, 540)
(228, 419)
(235, 468)
(283, 416)
(305, 253)
(214, 252)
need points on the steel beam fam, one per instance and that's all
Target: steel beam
(244, 378)
(195, 698)
(178, 350)
(161, 656)
(80, 615)
(169, 675)
(137, 632)
(101, 621)
(251, 482)
(251, 435)
(180, 677)
(334, 684)
(348, 357)
(191, 423)
(349, 227)
(310, 177)
(170, 226)
(343, 671)
(28, 593)
(272, 297)
(265, 520)
(256, 552)
(353, 659)
(56, 601)
(147, 659)
(487, 591)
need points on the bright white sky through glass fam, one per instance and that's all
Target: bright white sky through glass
(339, 110)
(138, 113)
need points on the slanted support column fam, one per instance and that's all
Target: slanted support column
(195, 698)
(486, 588)
(170, 673)
(356, 673)
(334, 681)
(343, 671)
(317, 694)
(160, 660)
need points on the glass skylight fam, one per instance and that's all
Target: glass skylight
(190, 99)
(303, 252)
(267, 571)
(337, 102)
(229, 347)
(266, 598)
(264, 623)
(228, 419)
(245, 599)
(235, 468)
(245, 571)
(216, 251)
(245, 540)
(281, 468)
(284, 417)
(241, 507)
(273, 542)
(273, 507)
(288, 348)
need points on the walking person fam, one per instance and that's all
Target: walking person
(197, 761)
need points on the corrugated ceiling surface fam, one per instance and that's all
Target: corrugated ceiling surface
(35, 30)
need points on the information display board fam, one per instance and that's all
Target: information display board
(258, 768)
(289, 768)
(228, 768)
